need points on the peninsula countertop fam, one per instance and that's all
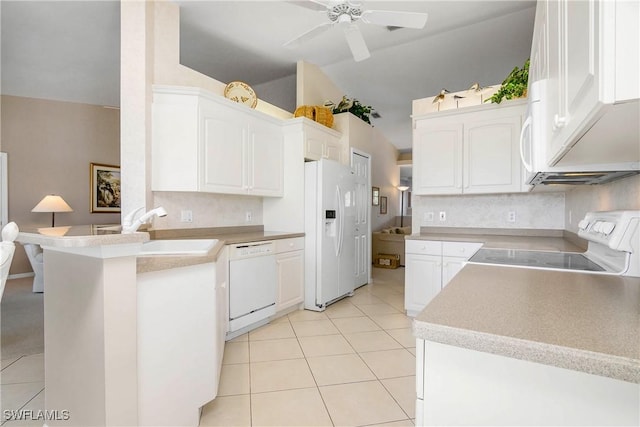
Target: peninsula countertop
(224, 235)
(579, 321)
(75, 236)
(96, 235)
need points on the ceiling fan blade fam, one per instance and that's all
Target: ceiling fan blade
(312, 33)
(356, 42)
(395, 19)
(312, 4)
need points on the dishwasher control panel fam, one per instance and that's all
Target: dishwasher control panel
(248, 250)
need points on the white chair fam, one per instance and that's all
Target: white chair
(36, 259)
(7, 249)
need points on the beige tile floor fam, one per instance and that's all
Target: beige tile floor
(21, 388)
(351, 365)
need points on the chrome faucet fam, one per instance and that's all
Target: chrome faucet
(131, 226)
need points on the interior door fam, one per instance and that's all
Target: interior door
(361, 164)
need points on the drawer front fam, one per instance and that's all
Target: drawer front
(423, 247)
(460, 249)
(288, 245)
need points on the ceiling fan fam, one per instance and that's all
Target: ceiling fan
(346, 14)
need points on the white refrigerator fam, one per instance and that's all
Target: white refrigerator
(329, 233)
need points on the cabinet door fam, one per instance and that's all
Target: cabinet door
(450, 267)
(538, 67)
(290, 267)
(491, 155)
(578, 40)
(333, 149)
(224, 148)
(423, 278)
(265, 159)
(437, 158)
(313, 144)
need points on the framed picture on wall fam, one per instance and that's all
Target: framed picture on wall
(375, 196)
(105, 188)
(383, 205)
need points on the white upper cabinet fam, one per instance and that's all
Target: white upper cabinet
(468, 152)
(437, 157)
(589, 53)
(320, 142)
(203, 142)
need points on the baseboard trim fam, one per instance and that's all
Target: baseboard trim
(20, 275)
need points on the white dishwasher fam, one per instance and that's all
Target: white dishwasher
(252, 285)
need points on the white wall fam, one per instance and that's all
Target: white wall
(385, 174)
(623, 194)
(280, 92)
(151, 55)
(533, 210)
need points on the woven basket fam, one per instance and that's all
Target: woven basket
(322, 115)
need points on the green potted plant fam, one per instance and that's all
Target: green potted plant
(514, 86)
(352, 106)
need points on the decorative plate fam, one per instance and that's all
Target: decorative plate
(241, 93)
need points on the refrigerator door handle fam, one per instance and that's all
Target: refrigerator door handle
(341, 219)
(336, 239)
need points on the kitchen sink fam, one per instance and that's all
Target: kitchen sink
(177, 247)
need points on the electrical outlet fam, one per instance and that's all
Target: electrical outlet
(443, 216)
(511, 216)
(248, 216)
(186, 216)
(428, 216)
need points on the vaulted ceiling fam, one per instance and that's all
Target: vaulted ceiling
(70, 50)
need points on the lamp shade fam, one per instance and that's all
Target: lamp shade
(403, 187)
(52, 203)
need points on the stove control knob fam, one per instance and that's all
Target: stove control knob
(583, 224)
(608, 227)
(597, 227)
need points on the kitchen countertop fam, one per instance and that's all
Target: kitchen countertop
(540, 243)
(225, 237)
(79, 235)
(96, 235)
(579, 321)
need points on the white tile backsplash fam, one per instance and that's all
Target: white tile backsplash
(532, 210)
(623, 194)
(208, 210)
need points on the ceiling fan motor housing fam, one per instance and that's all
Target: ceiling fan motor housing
(344, 12)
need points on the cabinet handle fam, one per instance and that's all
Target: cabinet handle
(523, 132)
(559, 122)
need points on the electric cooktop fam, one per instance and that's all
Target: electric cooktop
(536, 259)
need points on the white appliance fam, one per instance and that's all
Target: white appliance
(533, 147)
(252, 286)
(329, 233)
(614, 248)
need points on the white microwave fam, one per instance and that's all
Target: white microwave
(534, 146)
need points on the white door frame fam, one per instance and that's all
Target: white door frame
(368, 206)
(4, 194)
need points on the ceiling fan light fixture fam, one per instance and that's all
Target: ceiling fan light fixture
(344, 12)
(347, 13)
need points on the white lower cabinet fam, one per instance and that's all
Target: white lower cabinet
(459, 386)
(290, 268)
(178, 339)
(429, 266)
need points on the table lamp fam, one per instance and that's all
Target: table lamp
(52, 203)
